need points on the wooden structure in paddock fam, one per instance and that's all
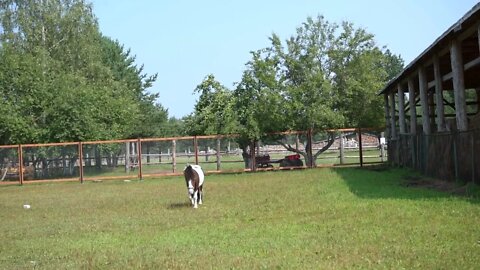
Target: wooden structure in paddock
(432, 106)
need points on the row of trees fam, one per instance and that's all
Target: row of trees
(324, 76)
(62, 80)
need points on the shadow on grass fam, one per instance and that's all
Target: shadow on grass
(179, 205)
(377, 182)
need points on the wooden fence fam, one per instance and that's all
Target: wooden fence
(154, 157)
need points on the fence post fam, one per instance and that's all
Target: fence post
(218, 154)
(148, 153)
(428, 140)
(310, 148)
(342, 149)
(414, 150)
(20, 164)
(455, 159)
(174, 156)
(127, 157)
(195, 146)
(360, 146)
(139, 152)
(382, 146)
(472, 142)
(253, 161)
(80, 161)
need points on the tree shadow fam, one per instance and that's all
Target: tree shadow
(383, 182)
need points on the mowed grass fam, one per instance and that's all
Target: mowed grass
(304, 219)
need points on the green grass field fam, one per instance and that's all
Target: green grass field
(338, 218)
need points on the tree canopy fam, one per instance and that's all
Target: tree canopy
(62, 80)
(324, 76)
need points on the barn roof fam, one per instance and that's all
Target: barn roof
(471, 18)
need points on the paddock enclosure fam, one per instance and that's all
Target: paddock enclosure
(432, 108)
(328, 218)
(153, 157)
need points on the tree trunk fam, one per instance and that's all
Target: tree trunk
(310, 157)
(148, 153)
(98, 158)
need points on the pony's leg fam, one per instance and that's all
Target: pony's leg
(195, 197)
(200, 201)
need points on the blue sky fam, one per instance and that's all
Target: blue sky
(183, 41)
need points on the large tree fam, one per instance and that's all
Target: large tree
(61, 80)
(152, 116)
(325, 76)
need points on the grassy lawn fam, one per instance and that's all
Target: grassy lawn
(304, 219)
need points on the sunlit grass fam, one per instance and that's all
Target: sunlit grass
(321, 218)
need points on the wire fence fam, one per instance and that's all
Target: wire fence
(154, 157)
(448, 156)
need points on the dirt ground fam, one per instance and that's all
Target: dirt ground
(426, 182)
(439, 185)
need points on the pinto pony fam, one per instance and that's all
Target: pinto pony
(194, 179)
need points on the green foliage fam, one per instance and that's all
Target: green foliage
(151, 116)
(324, 76)
(61, 80)
(213, 113)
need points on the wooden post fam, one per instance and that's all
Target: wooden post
(422, 81)
(80, 161)
(401, 109)
(477, 93)
(20, 164)
(478, 34)
(310, 148)
(195, 147)
(360, 146)
(413, 119)
(387, 116)
(455, 156)
(253, 161)
(438, 95)
(458, 85)
(218, 154)
(127, 157)
(297, 141)
(472, 153)
(413, 107)
(139, 152)
(148, 153)
(393, 130)
(174, 156)
(382, 147)
(342, 149)
(88, 160)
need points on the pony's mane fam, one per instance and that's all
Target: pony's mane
(189, 171)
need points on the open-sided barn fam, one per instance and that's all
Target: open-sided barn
(432, 106)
